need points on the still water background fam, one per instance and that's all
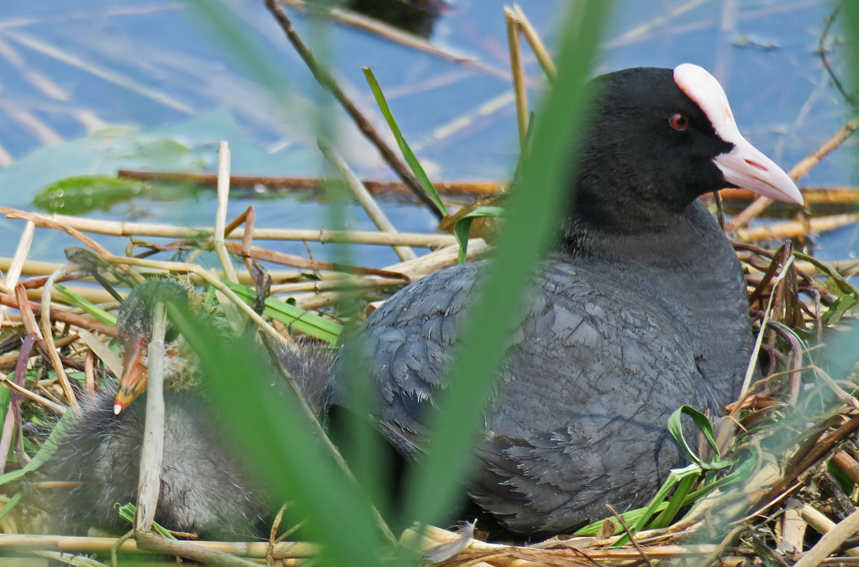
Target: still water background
(89, 88)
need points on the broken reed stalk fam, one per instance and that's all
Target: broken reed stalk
(324, 78)
(830, 541)
(800, 169)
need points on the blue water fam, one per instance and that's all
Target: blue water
(154, 72)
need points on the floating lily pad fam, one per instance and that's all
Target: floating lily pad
(78, 195)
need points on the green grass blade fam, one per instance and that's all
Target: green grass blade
(88, 306)
(267, 424)
(434, 487)
(408, 154)
(678, 499)
(292, 316)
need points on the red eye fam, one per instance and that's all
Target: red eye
(679, 122)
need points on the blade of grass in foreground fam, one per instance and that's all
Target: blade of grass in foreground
(270, 427)
(432, 488)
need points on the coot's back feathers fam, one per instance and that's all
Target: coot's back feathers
(641, 309)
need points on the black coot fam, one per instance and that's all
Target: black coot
(641, 309)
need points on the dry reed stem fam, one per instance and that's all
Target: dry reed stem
(785, 269)
(365, 283)
(89, 372)
(159, 544)
(518, 74)
(72, 544)
(837, 195)
(821, 524)
(13, 412)
(540, 51)
(830, 541)
(43, 220)
(179, 267)
(794, 229)
(152, 449)
(326, 79)
(221, 212)
(477, 188)
(800, 169)
(58, 315)
(304, 264)
(35, 268)
(363, 197)
(413, 269)
(113, 228)
(793, 527)
(48, 337)
(21, 252)
(4, 380)
(558, 554)
(818, 451)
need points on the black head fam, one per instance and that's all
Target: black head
(659, 138)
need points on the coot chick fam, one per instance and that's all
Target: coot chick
(204, 487)
(641, 308)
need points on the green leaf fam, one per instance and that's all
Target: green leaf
(675, 427)
(462, 228)
(292, 316)
(10, 504)
(839, 307)
(88, 306)
(79, 195)
(408, 154)
(841, 284)
(658, 502)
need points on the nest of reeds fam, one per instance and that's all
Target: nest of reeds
(784, 476)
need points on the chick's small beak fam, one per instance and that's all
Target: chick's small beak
(134, 376)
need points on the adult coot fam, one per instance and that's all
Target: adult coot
(641, 309)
